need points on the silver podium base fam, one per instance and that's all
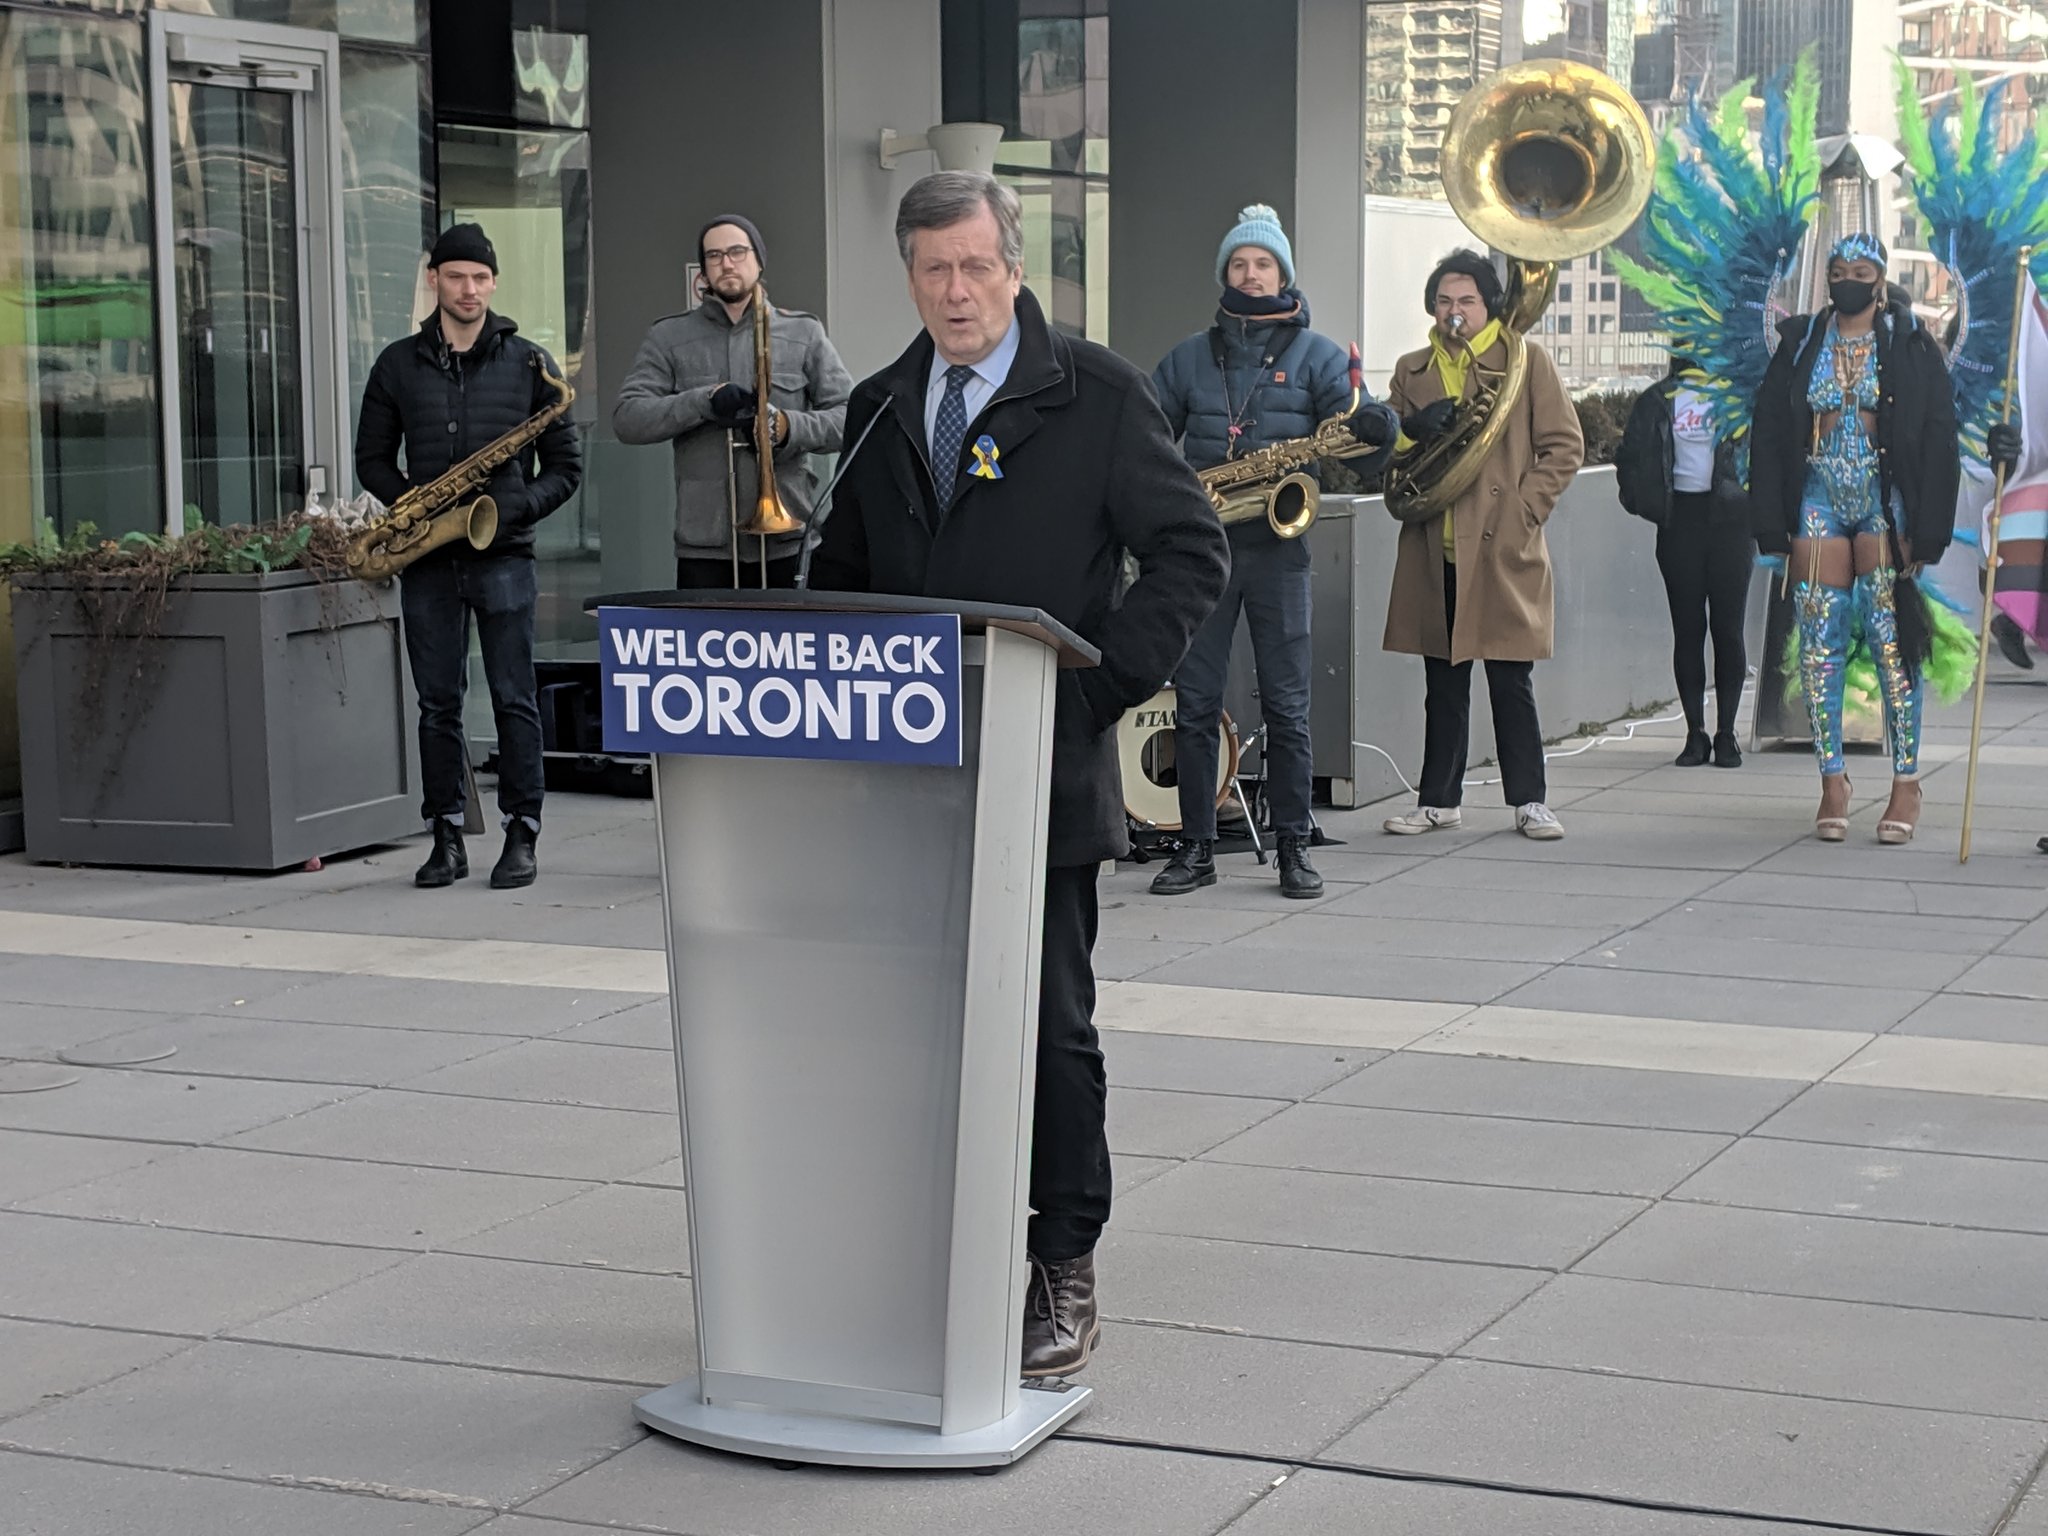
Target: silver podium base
(787, 1436)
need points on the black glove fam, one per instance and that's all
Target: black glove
(2002, 446)
(1373, 425)
(1433, 420)
(732, 406)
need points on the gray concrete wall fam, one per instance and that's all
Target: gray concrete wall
(1201, 122)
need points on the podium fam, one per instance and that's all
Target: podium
(853, 952)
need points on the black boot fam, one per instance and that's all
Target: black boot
(1298, 878)
(449, 862)
(2012, 641)
(1061, 1323)
(1192, 866)
(516, 866)
(1726, 753)
(1697, 748)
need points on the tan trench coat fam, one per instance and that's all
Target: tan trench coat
(1505, 609)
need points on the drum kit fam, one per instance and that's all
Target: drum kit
(1145, 754)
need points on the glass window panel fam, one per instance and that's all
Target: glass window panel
(551, 77)
(369, 21)
(1058, 160)
(387, 200)
(79, 415)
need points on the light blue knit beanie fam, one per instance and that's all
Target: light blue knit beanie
(1257, 225)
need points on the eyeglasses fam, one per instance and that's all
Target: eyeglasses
(731, 256)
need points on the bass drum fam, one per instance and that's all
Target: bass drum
(1144, 750)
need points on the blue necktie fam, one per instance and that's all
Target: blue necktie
(948, 428)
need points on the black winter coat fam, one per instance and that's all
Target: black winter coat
(1917, 452)
(1644, 464)
(1088, 472)
(442, 406)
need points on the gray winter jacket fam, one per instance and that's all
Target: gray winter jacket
(667, 398)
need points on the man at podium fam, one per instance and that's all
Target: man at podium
(1013, 464)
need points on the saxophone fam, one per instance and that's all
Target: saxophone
(1268, 482)
(450, 506)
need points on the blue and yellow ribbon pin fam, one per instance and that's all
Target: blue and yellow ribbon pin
(985, 456)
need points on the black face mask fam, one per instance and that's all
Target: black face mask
(1850, 297)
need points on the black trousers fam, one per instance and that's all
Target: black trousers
(1706, 568)
(1447, 722)
(696, 575)
(439, 597)
(1069, 1148)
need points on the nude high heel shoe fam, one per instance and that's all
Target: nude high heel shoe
(1834, 829)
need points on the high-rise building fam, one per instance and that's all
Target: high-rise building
(1769, 35)
(1419, 59)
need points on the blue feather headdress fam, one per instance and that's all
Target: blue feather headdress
(1724, 225)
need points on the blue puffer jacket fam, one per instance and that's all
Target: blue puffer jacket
(1310, 381)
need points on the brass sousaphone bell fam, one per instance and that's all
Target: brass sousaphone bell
(1545, 161)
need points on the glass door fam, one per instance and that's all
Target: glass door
(255, 419)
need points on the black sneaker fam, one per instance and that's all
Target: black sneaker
(1192, 866)
(1697, 750)
(1298, 878)
(1726, 753)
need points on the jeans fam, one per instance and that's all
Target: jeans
(1270, 580)
(1706, 569)
(437, 597)
(1070, 1181)
(1447, 722)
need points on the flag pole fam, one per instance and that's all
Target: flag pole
(2023, 284)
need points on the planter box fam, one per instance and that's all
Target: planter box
(268, 722)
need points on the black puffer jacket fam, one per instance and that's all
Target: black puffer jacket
(1645, 462)
(1917, 453)
(442, 406)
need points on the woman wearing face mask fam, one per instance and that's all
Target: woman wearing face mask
(1854, 468)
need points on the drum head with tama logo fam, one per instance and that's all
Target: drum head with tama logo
(1145, 754)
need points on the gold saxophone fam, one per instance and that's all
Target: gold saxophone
(1268, 483)
(437, 513)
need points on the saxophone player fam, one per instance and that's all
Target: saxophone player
(464, 379)
(1258, 376)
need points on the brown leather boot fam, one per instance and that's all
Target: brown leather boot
(1060, 1321)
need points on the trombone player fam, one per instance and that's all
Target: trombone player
(695, 385)
(1257, 377)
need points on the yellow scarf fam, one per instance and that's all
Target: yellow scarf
(1450, 367)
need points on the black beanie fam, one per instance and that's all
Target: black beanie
(464, 242)
(738, 221)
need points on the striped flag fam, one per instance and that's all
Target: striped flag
(2021, 582)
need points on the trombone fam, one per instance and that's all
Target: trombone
(769, 518)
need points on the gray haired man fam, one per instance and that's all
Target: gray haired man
(1012, 464)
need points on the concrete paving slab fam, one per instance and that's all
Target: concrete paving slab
(1712, 926)
(109, 1275)
(1066, 1485)
(1153, 1123)
(1916, 1121)
(148, 985)
(36, 1163)
(49, 1496)
(1403, 1217)
(1238, 1013)
(1653, 1044)
(2031, 1518)
(46, 1361)
(1241, 963)
(37, 1031)
(1229, 1393)
(1823, 893)
(563, 1141)
(299, 1415)
(616, 1226)
(1472, 1149)
(1411, 898)
(312, 1199)
(1651, 884)
(649, 1026)
(1799, 1458)
(450, 1005)
(1311, 1294)
(1262, 1069)
(216, 1045)
(1883, 1184)
(1317, 1503)
(1949, 1015)
(1582, 1095)
(474, 911)
(1125, 959)
(1784, 959)
(1127, 1172)
(1594, 837)
(1189, 919)
(1911, 865)
(598, 1324)
(2006, 976)
(164, 1106)
(1716, 999)
(1422, 937)
(558, 1072)
(1844, 1258)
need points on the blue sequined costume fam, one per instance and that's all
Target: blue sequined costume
(1841, 501)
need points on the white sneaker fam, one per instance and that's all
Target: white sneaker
(1535, 820)
(1424, 818)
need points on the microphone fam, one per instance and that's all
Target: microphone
(824, 510)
